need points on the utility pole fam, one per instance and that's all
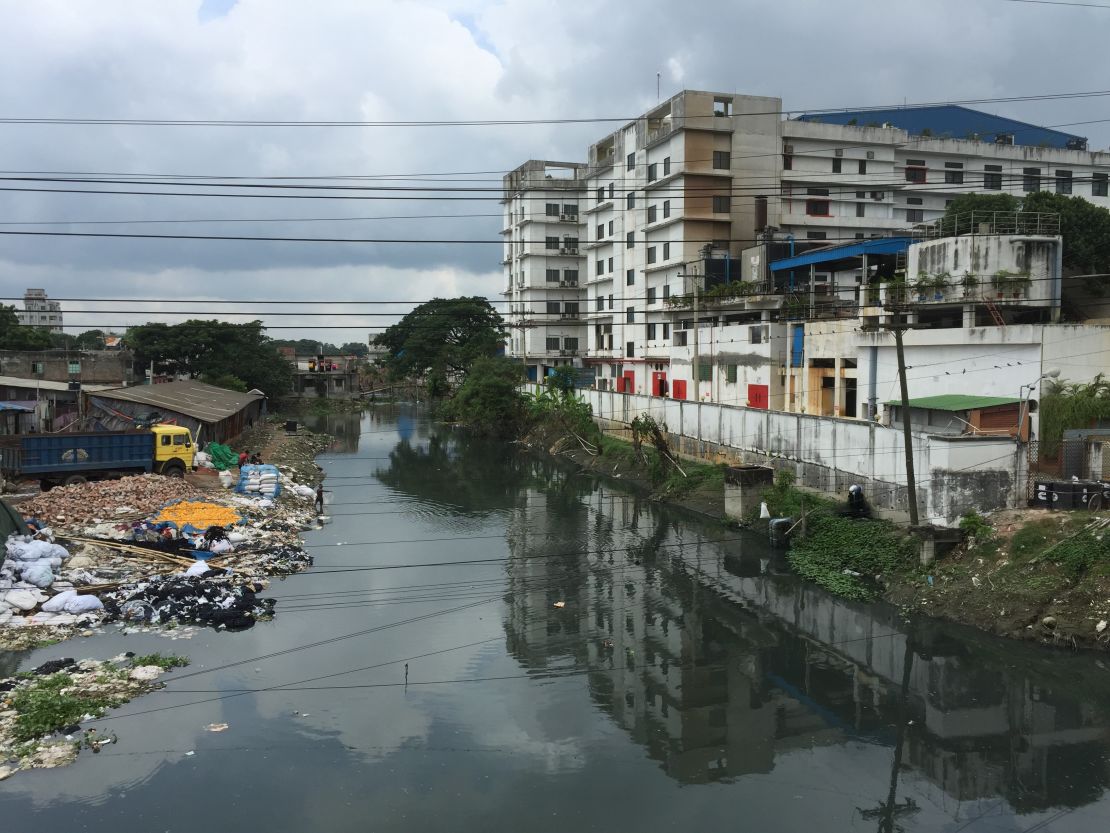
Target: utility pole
(697, 370)
(907, 432)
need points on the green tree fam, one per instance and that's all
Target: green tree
(490, 400)
(225, 381)
(355, 348)
(213, 349)
(979, 203)
(1084, 226)
(307, 346)
(441, 338)
(16, 336)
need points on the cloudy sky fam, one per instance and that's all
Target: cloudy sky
(371, 60)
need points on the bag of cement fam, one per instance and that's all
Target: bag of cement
(227, 479)
(39, 575)
(83, 604)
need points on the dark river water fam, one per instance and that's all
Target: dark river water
(577, 659)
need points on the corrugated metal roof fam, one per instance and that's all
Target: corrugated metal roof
(951, 121)
(207, 403)
(875, 246)
(956, 402)
(42, 384)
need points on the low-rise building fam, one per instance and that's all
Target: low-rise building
(96, 367)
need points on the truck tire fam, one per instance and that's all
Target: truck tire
(173, 470)
(75, 480)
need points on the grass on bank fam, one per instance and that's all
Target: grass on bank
(52, 703)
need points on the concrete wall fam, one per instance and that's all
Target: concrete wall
(98, 367)
(954, 475)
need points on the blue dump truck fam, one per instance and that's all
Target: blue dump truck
(65, 459)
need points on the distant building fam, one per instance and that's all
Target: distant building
(100, 367)
(39, 311)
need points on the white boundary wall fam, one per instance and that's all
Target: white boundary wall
(954, 474)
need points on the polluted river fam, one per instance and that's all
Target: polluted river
(491, 641)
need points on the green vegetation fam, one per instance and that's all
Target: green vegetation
(163, 661)
(241, 355)
(440, 339)
(51, 704)
(835, 549)
(490, 400)
(715, 295)
(14, 336)
(977, 527)
(1066, 406)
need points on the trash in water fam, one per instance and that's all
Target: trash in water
(216, 727)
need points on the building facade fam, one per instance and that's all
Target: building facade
(543, 263)
(39, 311)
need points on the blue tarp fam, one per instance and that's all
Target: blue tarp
(875, 246)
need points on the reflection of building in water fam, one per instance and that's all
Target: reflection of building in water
(716, 671)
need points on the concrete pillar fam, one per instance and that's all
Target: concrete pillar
(969, 315)
(838, 388)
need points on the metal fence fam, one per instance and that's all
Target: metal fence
(1041, 224)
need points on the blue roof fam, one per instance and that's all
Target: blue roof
(954, 122)
(874, 246)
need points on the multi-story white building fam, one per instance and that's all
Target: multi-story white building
(543, 264)
(39, 311)
(705, 190)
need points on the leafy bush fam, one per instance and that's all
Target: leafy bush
(834, 544)
(163, 661)
(976, 526)
(1079, 554)
(490, 399)
(44, 707)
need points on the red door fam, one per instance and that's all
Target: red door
(620, 384)
(758, 396)
(630, 381)
(678, 388)
(658, 384)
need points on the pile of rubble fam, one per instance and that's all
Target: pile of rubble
(87, 503)
(41, 713)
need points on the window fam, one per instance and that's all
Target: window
(666, 330)
(570, 343)
(651, 172)
(914, 201)
(74, 368)
(722, 203)
(861, 195)
(570, 276)
(600, 230)
(666, 251)
(629, 239)
(553, 308)
(600, 303)
(817, 208)
(651, 254)
(610, 228)
(610, 264)
(630, 200)
(612, 190)
(914, 173)
(651, 295)
(1063, 182)
(551, 275)
(705, 372)
(722, 160)
(1099, 184)
(755, 335)
(667, 208)
(666, 166)
(601, 194)
(610, 302)
(816, 235)
(837, 165)
(36, 368)
(730, 373)
(861, 209)
(651, 332)
(629, 315)
(552, 343)
(630, 162)
(666, 291)
(570, 308)
(166, 439)
(992, 177)
(630, 349)
(629, 277)
(722, 107)
(863, 166)
(571, 243)
(570, 210)
(953, 177)
(552, 209)
(817, 192)
(787, 162)
(858, 235)
(915, 215)
(551, 242)
(1030, 179)
(651, 214)
(600, 267)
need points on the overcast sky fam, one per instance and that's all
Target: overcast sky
(368, 60)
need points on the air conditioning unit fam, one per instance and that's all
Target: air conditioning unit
(562, 283)
(570, 217)
(788, 149)
(877, 195)
(870, 154)
(571, 282)
(568, 250)
(564, 352)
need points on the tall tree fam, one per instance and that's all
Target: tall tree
(16, 336)
(442, 337)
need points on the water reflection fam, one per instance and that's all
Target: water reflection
(719, 670)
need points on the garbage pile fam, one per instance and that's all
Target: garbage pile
(86, 503)
(28, 572)
(209, 596)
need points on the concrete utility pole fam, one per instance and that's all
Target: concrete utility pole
(697, 369)
(907, 431)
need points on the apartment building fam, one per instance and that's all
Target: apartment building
(39, 311)
(707, 190)
(542, 232)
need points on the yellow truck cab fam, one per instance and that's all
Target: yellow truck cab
(174, 450)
